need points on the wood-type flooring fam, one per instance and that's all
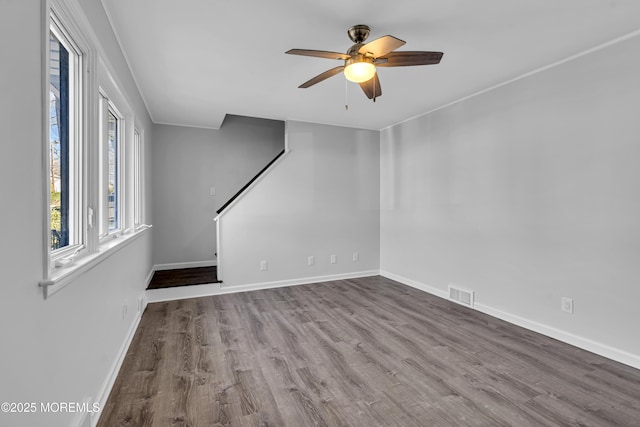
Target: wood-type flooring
(360, 352)
(183, 277)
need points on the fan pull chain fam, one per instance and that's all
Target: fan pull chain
(346, 95)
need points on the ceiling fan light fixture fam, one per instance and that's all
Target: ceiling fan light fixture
(362, 59)
(359, 71)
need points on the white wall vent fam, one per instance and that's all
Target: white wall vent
(461, 296)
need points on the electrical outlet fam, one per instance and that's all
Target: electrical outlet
(356, 257)
(212, 191)
(333, 259)
(123, 309)
(566, 305)
(311, 260)
(264, 266)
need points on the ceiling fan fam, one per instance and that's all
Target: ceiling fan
(361, 60)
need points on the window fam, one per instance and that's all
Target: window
(64, 154)
(93, 157)
(111, 148)
(113, 183)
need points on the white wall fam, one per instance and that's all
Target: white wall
(61, 349)
(322, 199)
(526, 194)
(186, 163)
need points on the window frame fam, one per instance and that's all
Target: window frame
(108, 107)
(138, 178)
(77, 137)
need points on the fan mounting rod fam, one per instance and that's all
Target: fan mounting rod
(358, 33)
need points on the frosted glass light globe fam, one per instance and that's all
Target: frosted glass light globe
(359, 72)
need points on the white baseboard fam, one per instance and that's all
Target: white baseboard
(421, 286)
(169, 294)
(299, 281)
(149, 277)
(566, 337)
(191, 264)
(103, 394)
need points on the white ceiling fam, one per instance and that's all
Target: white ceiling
(196, 60)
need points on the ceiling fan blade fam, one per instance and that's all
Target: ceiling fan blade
(372, 87)
(318, 53)
(402, 59)
(381, 46)
(323, 76)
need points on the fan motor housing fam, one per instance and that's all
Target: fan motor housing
(358, 57)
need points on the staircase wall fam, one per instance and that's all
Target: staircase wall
(186, 163)
(322, 199)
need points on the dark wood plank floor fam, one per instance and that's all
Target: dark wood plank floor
(183, 277)
(362, 352)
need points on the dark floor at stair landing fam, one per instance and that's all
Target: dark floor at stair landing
(183, 277)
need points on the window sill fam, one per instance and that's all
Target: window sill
(60, 277)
